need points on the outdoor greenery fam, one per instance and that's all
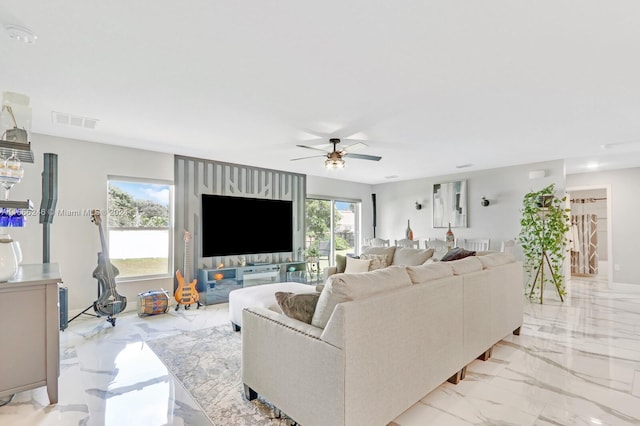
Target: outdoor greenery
(140, 266)
(319, 223)
(544, 223)
(125, 211)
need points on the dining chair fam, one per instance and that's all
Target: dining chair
(405, 242)
(508, 246)
(378, 242)
(439, 246)
(475, 244)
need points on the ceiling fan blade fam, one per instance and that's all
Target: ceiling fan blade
(304, 158)
(354, 146)
(312, 147)
(363, 156)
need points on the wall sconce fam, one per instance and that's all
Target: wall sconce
(418, 206)
(484, 202)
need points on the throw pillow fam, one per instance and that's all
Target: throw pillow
(378, 261)
(356, 265)
(298, 306)
(388, 251)
(457, 253)
(341, 263)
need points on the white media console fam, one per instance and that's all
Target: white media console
(217, 283)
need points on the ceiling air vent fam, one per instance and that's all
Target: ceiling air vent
(65, 119)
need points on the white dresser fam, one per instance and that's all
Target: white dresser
(29, 330)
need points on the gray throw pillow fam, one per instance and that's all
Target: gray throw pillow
(457, 253)
(298, 306)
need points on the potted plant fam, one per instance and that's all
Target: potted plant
(543, 228)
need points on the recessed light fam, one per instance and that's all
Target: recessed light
(463, 166)
(391, 177)
(20, 33)
(592, 165)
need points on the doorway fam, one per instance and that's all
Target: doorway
(590, 233)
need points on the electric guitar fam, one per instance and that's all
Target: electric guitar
(186, 293)
(109, 302)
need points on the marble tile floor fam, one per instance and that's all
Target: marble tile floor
(575, 363)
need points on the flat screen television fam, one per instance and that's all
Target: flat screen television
(245, 226)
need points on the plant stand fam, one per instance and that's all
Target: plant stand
(540, 272)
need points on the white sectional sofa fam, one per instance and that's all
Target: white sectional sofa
(382, 340)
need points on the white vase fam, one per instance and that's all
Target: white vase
(8, 258)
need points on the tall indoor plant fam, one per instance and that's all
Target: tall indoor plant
(543, 228)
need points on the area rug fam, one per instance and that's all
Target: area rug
(208, 363)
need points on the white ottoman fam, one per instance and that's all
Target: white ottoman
(260, 295)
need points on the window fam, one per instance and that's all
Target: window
(332, 227)
(139, 227)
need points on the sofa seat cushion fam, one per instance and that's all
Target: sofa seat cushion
(411, 256)
(344, 287)
(429, 272)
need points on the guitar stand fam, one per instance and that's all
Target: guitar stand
(110, 318)
(186, 307)
(85, 313)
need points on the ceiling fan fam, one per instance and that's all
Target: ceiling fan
(334, 158)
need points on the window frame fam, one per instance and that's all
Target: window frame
(169, 227)
(357, 221)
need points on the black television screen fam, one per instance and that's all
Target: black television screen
(244, 226)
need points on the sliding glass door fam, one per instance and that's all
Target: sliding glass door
(332, 227)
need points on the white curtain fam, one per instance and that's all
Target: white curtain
(584, 244)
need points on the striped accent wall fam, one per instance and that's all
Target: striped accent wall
(196, 176)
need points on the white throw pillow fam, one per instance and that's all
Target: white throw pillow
(356, 265)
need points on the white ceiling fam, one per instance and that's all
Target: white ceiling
(429, 84)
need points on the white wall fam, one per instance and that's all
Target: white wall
(82, 184)
(503, 187)
(625, 227)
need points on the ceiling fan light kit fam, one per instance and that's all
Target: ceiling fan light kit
(334, 163)
(334, 159)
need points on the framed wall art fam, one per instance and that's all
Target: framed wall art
(450, 204)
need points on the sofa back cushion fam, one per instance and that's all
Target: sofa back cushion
(496, 259)
(387, 251)
(429, 272)
(411, 256)
(466, 266)
(344, 287)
